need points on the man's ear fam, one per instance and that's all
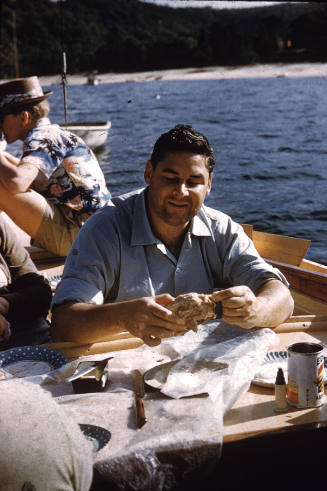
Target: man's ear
(25, 118)
(209, 184)
(148, 172)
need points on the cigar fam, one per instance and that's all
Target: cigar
(139, 394)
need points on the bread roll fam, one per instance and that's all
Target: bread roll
(195, 308)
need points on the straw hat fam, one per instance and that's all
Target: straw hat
(21, 91)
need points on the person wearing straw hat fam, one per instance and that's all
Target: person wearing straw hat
(57, 183)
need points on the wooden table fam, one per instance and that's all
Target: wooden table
(259, 442)
(253, 413)
(264, 450)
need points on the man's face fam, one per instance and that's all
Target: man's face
(178, 187)
(11, 126)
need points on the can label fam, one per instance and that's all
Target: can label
(305, 387)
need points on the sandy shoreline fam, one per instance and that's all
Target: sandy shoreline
(206, 73)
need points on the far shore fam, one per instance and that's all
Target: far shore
(205, 73)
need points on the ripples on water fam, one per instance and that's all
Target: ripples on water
(269, 138)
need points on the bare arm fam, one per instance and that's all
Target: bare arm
(145, 318)
(16, 177)
(272, 305)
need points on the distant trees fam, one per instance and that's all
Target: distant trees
(128, 35)
(268, 41)
(308, 35)
(231, 44)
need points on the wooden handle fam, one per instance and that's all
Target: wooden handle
(75, 350)
(301, 326)
(140, 412)
(139, 393)
(306, 318)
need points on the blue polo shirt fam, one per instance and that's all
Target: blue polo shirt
(116, 257)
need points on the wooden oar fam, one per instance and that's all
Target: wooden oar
(116, 343)
(307, 318)
(303, 323)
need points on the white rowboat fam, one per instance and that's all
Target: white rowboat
(94, 133)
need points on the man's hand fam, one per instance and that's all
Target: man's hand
(271, 306)
(148, 319)
(145, 318)
(240, 306)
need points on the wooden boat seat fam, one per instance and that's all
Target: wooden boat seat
(290, 250)
(308, 279)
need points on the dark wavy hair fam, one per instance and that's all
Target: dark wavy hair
(182, 138)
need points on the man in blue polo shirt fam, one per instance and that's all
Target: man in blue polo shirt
(134, 256)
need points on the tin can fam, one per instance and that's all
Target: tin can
(305, 364)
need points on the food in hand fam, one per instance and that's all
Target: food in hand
(194, 308)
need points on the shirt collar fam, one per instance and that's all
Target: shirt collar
(199, 224)
(142, 233)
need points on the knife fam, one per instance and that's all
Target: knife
(97, 365)
(139, 394)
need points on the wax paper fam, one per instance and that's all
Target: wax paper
(223, 363)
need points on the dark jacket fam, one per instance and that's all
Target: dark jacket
(27, 291)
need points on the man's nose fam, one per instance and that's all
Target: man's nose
(181, 189)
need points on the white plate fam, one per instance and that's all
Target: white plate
(156, 377)
(266, 376)
(26, 361)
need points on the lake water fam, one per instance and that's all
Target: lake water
(269, 138)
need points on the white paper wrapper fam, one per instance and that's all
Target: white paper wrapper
(219, 364)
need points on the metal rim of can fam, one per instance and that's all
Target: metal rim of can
(314, 348)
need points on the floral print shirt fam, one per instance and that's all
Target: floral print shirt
(69, 171)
